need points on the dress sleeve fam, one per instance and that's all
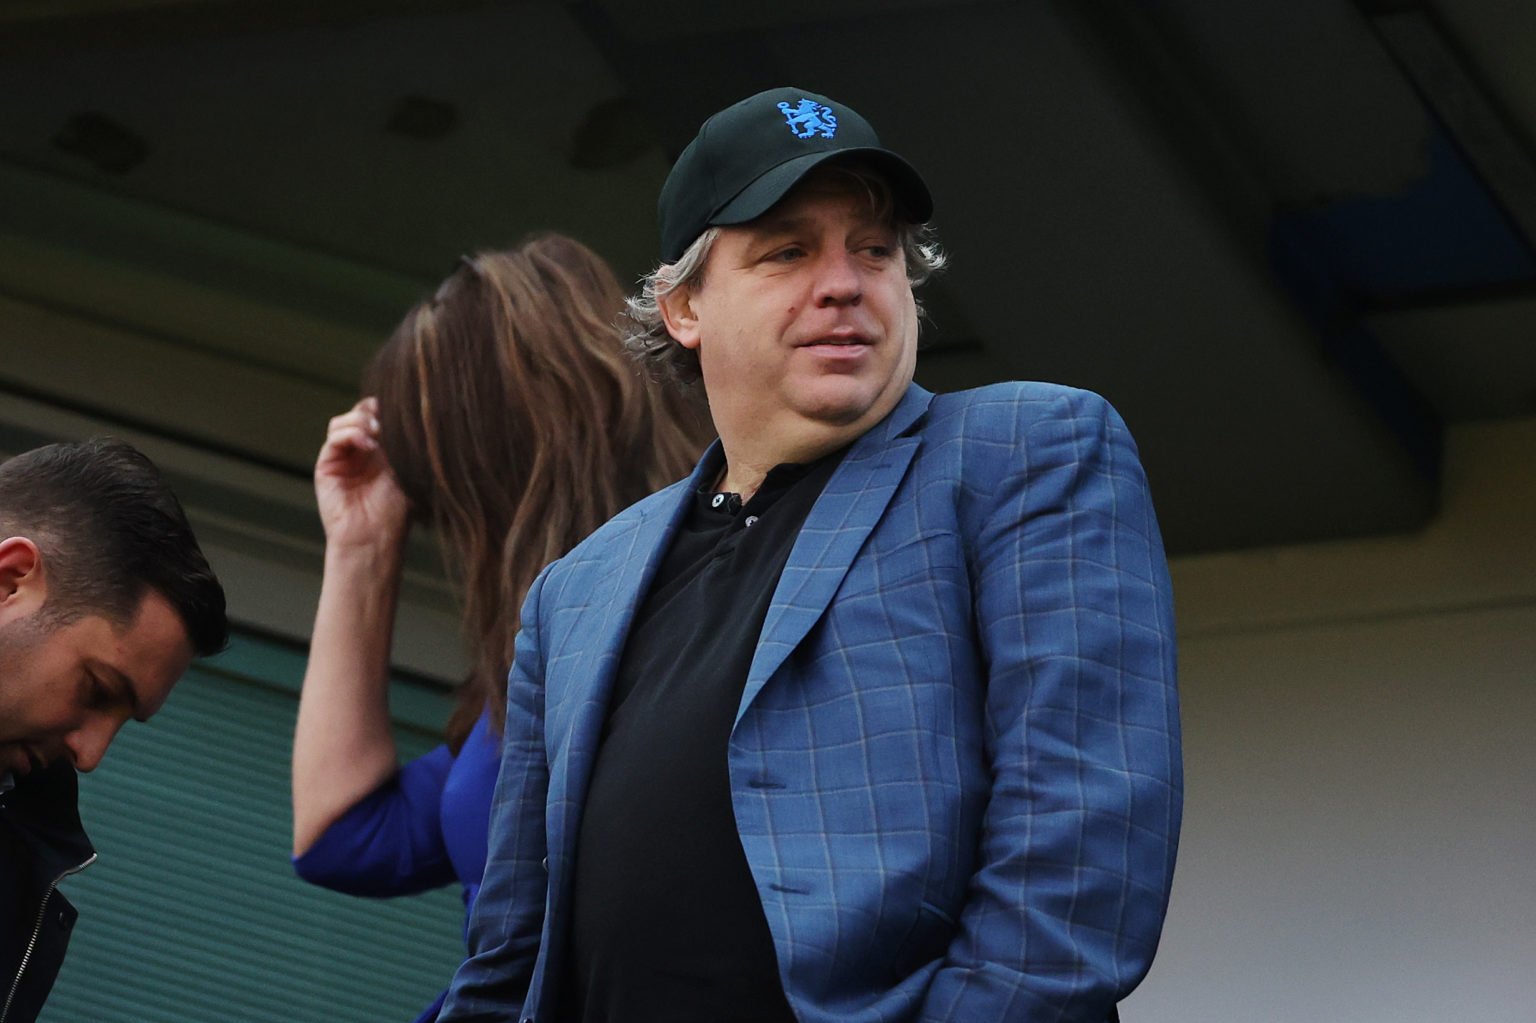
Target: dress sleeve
(391, 841)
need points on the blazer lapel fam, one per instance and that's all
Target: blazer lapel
(854, 500)
(576, 729)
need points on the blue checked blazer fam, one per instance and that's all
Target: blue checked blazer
(955, 768)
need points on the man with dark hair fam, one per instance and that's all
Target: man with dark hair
(105, 598)
(873, 718)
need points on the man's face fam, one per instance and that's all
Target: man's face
(65, 690)
(804, 316)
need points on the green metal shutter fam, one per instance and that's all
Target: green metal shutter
(193, 914)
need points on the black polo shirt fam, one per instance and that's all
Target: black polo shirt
(667, 924)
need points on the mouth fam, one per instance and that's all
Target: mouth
(838, 340)
(839, 335)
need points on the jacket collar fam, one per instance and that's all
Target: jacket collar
(852, 503)
(43, 812)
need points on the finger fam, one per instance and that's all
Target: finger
(344, 441)
(355, 419)
(370, 407)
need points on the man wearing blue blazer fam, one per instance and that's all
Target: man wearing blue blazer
(873, 717)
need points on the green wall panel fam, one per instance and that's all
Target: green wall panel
(192, 913)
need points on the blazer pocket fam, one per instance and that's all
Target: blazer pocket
(927, 941)
(920, 559)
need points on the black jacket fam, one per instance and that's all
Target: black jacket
(41, 843)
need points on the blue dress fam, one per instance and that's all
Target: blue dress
(424, 828)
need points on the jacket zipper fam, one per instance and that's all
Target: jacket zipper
(37, 930)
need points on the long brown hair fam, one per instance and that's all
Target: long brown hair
(517, 425)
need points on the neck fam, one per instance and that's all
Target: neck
(754, 442)
(748, 463)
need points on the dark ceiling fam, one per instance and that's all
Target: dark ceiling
(1292, 242)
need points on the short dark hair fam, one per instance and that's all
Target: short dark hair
(110, 529)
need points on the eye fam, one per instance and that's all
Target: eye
(877, 245)
(787, 254)
(98, 694)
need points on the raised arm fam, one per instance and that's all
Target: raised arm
(343, 748)
(1074, 615)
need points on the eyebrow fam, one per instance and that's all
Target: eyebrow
(128, 686)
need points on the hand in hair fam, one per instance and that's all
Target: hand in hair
(360, 502)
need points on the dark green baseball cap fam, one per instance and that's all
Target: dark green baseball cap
(749, 155)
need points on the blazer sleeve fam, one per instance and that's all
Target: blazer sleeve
(391, 841)
(1074, 618)
(508, 917)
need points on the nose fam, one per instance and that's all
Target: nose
(88, 743)
(838, 279)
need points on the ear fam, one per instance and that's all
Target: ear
(677, 313)
(21, 576)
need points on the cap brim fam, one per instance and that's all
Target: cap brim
(913, 203)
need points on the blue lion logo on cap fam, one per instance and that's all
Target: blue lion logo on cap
(809, 119)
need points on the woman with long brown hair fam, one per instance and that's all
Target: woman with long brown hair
(504, 413)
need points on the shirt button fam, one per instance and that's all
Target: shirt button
(717, 501)
(751, 519)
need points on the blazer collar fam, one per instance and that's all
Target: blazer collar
(634, 557)
(647, 543)
(853, 501)
(838, 524)
(578, 711)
